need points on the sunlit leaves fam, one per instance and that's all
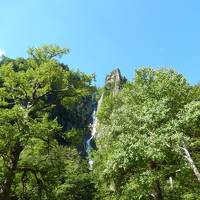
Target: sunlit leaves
(31, 160)
(148, 122)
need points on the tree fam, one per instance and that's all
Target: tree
(29, 153)
(142, 146)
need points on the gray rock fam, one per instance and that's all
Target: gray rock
(114, 81)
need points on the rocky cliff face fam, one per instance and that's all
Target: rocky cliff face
(114, 82)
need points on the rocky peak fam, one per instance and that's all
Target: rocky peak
(114, 81)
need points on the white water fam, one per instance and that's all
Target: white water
(93, 126)
(88, 150)
(95, 120)
(88, 141)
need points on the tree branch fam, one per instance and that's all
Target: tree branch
(191, 162)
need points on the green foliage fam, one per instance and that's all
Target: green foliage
(47, 52)
(33, 164)
(142, 131)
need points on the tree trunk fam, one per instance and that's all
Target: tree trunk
(191, 162)
(157, 189)
(5, 187)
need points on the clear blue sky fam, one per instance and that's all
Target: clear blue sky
(105, 34)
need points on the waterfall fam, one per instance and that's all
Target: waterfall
(92, 126)
(95, 120)
(88, 150)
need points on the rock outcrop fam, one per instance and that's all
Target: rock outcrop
(114, 82)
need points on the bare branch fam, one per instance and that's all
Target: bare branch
(191, 162)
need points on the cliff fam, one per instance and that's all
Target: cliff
(114, 82)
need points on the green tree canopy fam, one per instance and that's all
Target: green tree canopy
(32, 164)
(144, 134)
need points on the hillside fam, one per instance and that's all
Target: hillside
(61, 138)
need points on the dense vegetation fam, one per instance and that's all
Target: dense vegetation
(148, 133)
(149, 138)
(38, 148)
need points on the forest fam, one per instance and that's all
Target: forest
(63, 138)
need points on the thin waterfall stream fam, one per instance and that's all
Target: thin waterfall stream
(92, 126)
